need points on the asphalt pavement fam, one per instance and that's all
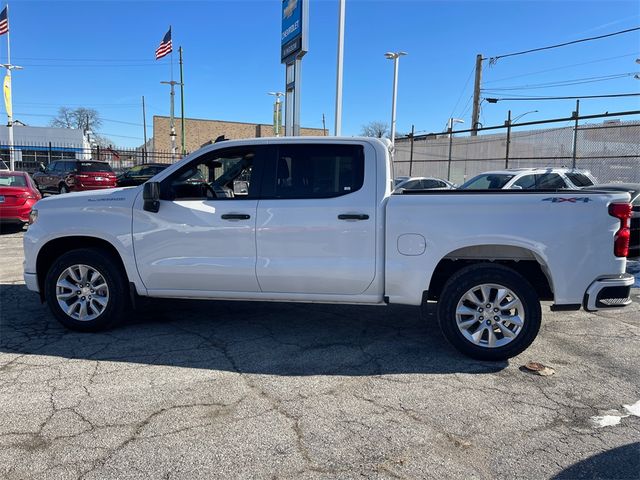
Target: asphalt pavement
(274, 390)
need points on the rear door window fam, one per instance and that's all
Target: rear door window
(315, 171)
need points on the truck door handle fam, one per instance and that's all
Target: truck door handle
(235, 216)
(353, 216)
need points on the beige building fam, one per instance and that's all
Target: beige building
(201, 132)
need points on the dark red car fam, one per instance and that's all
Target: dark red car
(63, 176)
(18, 194)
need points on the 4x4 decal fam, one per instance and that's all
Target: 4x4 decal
(564, 199)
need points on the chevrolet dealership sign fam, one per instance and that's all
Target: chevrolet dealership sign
(293, 41)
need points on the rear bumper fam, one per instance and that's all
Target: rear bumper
(612, 292)
(15, 214)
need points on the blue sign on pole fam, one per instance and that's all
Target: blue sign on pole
(293, 34)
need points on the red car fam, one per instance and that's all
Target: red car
(18, 194)
(63, 176)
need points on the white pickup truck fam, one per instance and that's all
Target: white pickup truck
(314, 220)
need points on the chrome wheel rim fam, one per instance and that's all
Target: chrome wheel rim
(490, 315)
(82, 292)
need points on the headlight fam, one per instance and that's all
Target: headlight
(33, 216)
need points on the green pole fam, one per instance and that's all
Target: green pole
(184, 150)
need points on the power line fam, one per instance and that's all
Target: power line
(493, 60)
(563, 67)
(616, 95)
(108, 120)
(562, 83)
(109, 65)
(464, 89)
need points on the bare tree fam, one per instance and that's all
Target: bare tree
(375, 129)
(81, 118)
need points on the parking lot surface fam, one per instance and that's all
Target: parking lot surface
(273, 390)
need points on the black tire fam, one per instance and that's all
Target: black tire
(482, 274)
(114, 277)
(62, 189)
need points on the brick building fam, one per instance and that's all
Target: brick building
(201, 132)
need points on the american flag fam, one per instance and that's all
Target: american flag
(4, 22)
(165, 47)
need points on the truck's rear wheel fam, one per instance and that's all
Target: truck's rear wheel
(489, 312)
(85, 290)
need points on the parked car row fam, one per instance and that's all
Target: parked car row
(537, 179)
(64, 176)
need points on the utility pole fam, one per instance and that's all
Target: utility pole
(184, 150)
(172, 120)
(144, 127)
(508, 124)
(338, 124)
(475, 116)
(324, 126)
(576, 115)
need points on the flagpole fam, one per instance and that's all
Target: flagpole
(182, 104)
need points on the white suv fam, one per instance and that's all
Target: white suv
(530, 179)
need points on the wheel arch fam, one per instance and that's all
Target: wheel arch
(525, 261)
(56, 247)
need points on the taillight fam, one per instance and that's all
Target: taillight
(26, 195)
(621, 211)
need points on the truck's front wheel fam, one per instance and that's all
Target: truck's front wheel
(489, 312)
(85, 290)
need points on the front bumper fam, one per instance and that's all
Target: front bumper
(611, 292)
(31, 281)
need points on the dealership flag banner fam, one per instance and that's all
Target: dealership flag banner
(165, 47)
(6, 88)
(4, 22)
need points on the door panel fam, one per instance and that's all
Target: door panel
(187, 245)
(303, 245)
(203, 236)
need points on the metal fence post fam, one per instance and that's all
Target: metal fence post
(576, 115)
(411, 153)
(450, 150)
(508, 124)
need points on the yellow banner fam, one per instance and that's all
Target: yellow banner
(6, 88)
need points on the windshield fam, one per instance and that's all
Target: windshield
(94, 167)
(487, 181)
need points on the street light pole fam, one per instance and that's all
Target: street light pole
(338, 121)
(9, 105)
(277, 113)
(172, 120)
(395, 56)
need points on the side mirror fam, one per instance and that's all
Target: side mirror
(515, 187)
(41, 167)
(151, 196)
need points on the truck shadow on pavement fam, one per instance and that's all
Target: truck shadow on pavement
(622, 462)
(245, 337)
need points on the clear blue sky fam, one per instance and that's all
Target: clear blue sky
(101, 55)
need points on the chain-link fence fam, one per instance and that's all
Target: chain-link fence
(29, 157)
(608, 147)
